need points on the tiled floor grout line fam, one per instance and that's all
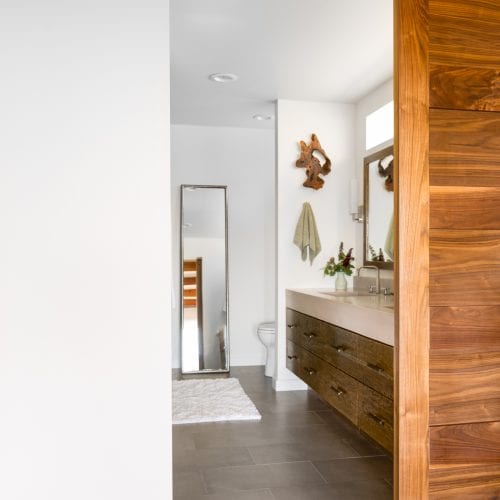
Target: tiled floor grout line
(318, 471)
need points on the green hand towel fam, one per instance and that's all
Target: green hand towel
(306, 234)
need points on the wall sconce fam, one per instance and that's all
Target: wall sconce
(356, 211)
(358, 216)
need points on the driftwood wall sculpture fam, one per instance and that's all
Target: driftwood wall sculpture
(312, 164)
(387, 172)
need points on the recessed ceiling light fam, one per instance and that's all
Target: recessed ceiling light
(223, 77)
(262, 117)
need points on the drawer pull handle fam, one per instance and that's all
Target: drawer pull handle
(377, 368)
(338, 391)
(292, 326)
(380, 421)
(339, 348)
(309, 335)
(292, 357)
(309, 371)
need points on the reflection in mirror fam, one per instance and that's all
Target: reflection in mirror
(204, 311)
(379, 209)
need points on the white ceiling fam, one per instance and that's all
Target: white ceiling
(315, 50)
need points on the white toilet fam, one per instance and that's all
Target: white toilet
(267, 335)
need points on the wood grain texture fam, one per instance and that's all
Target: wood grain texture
(464, 258)
(464, 207)
(464, 88)
(453, 42)
(411, 146)
(464, 148)
(465, 444)
(464, 387)
(465, 328)
(471, 482)
(482, 10)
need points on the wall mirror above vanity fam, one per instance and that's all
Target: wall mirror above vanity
(378, 231)
(204, 281)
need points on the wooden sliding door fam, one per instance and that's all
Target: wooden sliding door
(448, 137)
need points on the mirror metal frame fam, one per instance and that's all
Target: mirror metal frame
(378, 155)
(181, 276)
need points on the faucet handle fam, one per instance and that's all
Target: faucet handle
(372, 289)
(387, 291)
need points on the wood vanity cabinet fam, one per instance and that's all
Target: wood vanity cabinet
(351, 372)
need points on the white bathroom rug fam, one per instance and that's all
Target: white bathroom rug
(210, 400)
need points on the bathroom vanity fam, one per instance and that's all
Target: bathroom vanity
(341, 345)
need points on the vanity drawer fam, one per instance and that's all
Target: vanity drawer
(336, 387)
(341, 391)
(329, 342)
(298, 327)
(377, 363)
(335, 345)
(292, 357)
(376, 417)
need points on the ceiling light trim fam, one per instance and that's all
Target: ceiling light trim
(223, 77)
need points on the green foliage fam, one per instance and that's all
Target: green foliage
(343, 264)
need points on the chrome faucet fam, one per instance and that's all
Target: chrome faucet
(377, 283)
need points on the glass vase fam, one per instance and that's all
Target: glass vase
(340, 281)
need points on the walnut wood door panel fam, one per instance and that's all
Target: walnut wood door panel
(470, 481)
(464, 268)
(464, 88)
(466, 328)
(465, 444)
(483, 10)
(452, 41)
(461, 207)
(464, 148)
(464, 387)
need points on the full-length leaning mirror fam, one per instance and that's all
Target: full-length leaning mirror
(379, 209)
(204, 282)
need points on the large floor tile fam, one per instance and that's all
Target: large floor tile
(369, 490)
(243, 436)
(188, 484)
(261, 476)
(301, 451)
(355, 469)
(292, 419)
(233, 495)
(195, 460)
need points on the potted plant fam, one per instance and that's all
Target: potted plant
(342, 267)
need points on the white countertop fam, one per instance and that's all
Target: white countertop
(368, 315)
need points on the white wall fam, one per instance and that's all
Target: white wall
(334, 124)
(242, 159)
(85, 253)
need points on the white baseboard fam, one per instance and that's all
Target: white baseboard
(289, 385)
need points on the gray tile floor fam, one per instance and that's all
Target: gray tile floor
(300, 450)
